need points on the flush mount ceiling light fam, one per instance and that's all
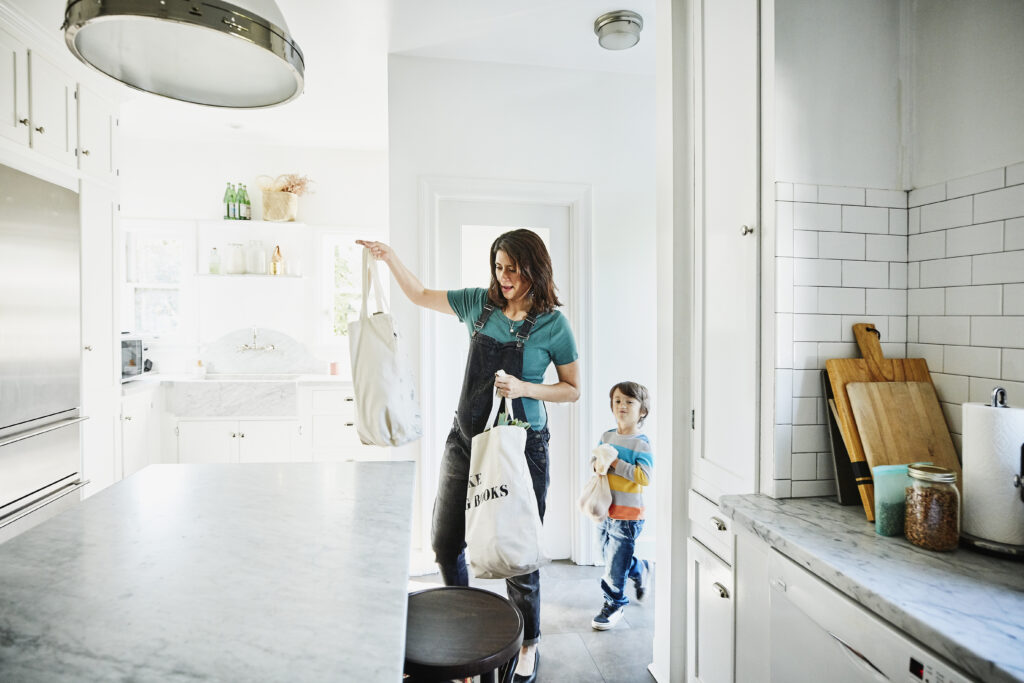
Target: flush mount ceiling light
(202, 51)
(618, 30)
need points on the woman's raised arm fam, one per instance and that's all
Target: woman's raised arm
(434, 299)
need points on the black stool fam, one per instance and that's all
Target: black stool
(458, 632)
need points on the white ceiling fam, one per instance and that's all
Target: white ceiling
(346, 44)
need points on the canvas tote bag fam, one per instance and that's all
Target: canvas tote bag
(503, 527)
(387, 412)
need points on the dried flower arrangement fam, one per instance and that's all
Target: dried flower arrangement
(289, 182)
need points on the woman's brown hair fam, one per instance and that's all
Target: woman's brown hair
(530, 257)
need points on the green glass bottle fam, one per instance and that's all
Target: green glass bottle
(233, 209)
(229, 198)
(244, 205)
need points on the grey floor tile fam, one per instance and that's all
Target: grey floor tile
(565, 659)
(621, 653)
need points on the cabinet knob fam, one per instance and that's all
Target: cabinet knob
(233, 435)
(40, 130)
(242, 435)
(127, 418)
(747, 230)
(719, 524)
(722, 591)
(85, 152)
(23, 122)
(88, 347)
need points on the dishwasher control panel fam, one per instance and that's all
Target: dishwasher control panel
(926, 670)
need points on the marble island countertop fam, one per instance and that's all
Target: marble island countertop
(965, 606)
(256, 572)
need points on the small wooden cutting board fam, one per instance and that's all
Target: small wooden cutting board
(900, 423)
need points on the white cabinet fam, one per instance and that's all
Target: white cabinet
(140, 431)
(51, 109)
(709, 617)
(726, 282)
(333, 436)
(97, 120)
(234, 441)
(14, 114)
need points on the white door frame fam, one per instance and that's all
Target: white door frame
(576, 198)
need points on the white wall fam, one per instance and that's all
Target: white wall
(837, 93)
(968, 89)
(476, 120)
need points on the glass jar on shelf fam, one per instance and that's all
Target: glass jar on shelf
(235, 261)
(214, 262)
(933, 508)
(256, 258)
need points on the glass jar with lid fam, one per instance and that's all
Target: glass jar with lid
(235, 262)
(933, 508)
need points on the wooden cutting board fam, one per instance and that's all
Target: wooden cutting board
(873, 367)
(902, 422)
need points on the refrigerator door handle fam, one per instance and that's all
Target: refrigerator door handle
(29, 433)
(40, 504)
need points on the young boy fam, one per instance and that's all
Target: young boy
(628, 474)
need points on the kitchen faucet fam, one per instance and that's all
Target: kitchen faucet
(254, 347)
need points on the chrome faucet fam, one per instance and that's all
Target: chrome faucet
(254, 346)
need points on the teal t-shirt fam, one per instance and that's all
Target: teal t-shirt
(551, 341)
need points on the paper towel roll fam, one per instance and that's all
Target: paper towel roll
(992, 439)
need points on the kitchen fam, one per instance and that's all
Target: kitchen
(833, 120)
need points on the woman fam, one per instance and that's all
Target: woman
(514, 327)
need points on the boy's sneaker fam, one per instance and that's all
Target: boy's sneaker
(608, 617)
(642, 583)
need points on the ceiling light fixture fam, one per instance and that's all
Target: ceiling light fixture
(618, 30)
(201, 51)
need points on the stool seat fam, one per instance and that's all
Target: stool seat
(457, 632)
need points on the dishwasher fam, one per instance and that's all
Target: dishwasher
(829, 637)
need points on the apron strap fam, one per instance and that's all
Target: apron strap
(523, 333)
(482, 320)
(495, 404)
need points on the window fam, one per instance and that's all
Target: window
(157, 268)
(342, 288)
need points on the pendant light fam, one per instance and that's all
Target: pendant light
(618, 30)
(202, 51)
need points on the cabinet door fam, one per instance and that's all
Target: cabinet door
(14, 115)
(709, 617)
(726, 250)
(51, 95)
(100, 377)
(266, 440)
(137, 423)
(207, 441)
(95, 133)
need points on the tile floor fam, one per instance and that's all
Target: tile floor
(572, 651)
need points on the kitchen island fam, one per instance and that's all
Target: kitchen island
(965, 606)
(254, 572)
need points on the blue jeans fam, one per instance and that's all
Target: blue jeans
(618, 538)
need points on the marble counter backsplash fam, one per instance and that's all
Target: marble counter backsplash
(224, 398)
(967, 607)
(226, 355)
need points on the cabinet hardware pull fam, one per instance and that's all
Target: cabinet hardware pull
(722, 591)
(747, 230)
(88, 347)
(23, 122)
(40, 130)
(719, 524)
(350, 424)
(349, 399)
(127, 418)
(242, 435)
(233, 435)
(778, 584)
(85, 152)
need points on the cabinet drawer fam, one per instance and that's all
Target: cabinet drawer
(334, 432)
(333, 402)
(709, 526)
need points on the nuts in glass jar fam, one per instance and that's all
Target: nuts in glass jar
(933, 508)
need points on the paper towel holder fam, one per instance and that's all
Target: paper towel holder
(999, 398)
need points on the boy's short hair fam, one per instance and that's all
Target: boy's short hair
(637, 392)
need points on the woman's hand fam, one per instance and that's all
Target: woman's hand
(379, 250)
(510, 386)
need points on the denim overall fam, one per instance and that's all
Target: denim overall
(448, 533)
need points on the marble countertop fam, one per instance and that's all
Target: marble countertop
(253, 572)
(965, 606)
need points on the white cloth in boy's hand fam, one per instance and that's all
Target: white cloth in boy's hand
(604, 456)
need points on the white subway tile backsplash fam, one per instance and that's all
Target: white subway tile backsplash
(975, 239)
(897, 221)
(886, 248)
(864, 274)
(894, 349)
(1015, 174)
(817, 216)
(826, 467)
(783, 397)
(944, 330)
(913, 221)
(932, 354)
(913, 275)
(809, 439)
(1013, 299)
(783, 228)
(805, 355)
(784, 285)
(886, 302)
(947, 272)
(784, 192)
(989, 180)
(1013, 234)
(805, 243)
(810, 489)
(779, 488)
(805, 411)
(980, 390)
(805, 193)
(979, 300)
(783, 451)
(1013, 365)
(996, 331)
(817, 273)
(806, 383)
(1005, 267)
(895, 199)
(971, 361)
(805, 465)
(828, 194)
(840, 245)
(784, 341)
(898, 275)
(870, 219)
(930, 301)
(840, 300)
(926, 246)
(950, 388)
(898, 329)
(829, 350)
(953, 412)
(926, 195)
(999, 204)
(805, 299)
(913, 327)
(947, 214)
(816, 327)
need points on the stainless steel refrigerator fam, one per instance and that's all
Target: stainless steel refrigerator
(40, 357)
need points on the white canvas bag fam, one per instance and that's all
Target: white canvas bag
(503, 527)
(387, 412)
